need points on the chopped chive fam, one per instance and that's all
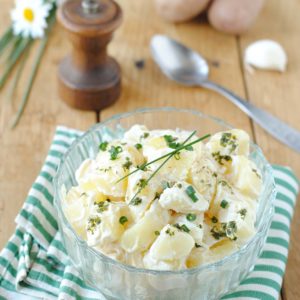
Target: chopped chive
(143, 166)
(114, 151)
(123, 220)
(189, 148)
(135, 201)
(224, 204)
(177, 155)
(127, 164)
(243, 213)
(145, 135)
(103, 146)
(191, 217)
(142, 183)
(190, 191)
(170, 140)
(182, 227)
(170, 232)
(185, 228)
(156, 232)
(92, 224)
(138, 146)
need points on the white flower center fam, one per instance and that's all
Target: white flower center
(28, 14)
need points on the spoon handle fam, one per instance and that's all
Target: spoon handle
(271, 124)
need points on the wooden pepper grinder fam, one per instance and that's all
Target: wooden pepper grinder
(89, 79)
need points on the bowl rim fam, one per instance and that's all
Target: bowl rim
(207, 266)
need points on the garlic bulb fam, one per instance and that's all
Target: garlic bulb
(266, 54)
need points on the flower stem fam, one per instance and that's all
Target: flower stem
(18, 74)
(6, 39)
(18, 51)
(36, 64)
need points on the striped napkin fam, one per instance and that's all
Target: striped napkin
(34, 263)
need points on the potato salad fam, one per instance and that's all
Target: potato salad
(166, 199)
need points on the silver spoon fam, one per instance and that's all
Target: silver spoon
(187, 67)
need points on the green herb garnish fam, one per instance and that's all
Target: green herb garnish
(170, 232)
(182, 227)
(102, 205)
(92, 223)
(123, 220)
(198, 245)
(225, 230)
(228, 139)
(224, 203)
(189, 148)
(114, 151)
(142, 183)
(156, 232)
(143, 166)
(127, 164)
(243, 213)
(138, 146)
(231, 230)
(103, 146)
(190, 191)
(177, 155)
(145, 135)
(191, 217)
(166, 185)
(256, 173)
(221, 158)
(168, 157)
(135, 201)
(170, 140)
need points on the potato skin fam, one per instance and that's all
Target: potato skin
(180, 10)
(234, 16)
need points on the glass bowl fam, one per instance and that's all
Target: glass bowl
(116, 280)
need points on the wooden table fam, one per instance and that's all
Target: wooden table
(23, 150)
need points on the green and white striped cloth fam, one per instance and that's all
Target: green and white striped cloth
(34, 263)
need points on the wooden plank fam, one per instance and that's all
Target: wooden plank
(147, 87)
(23, 150)
(279, 94)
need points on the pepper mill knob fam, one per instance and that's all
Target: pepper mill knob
(89, 79)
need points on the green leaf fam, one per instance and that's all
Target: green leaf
(6, 38)
(33, 73)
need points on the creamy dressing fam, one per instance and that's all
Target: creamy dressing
(197, 208)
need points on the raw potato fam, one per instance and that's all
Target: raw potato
(180, 10)
(234, 16)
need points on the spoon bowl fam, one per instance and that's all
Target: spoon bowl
(189, 68)
(178, 62)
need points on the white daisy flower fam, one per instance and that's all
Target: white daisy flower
(29, 18)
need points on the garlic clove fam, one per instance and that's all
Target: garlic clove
(266, 54)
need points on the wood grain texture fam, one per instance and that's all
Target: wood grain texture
(24, 149)
(279, 94)
(88, 78)
(148, 87)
